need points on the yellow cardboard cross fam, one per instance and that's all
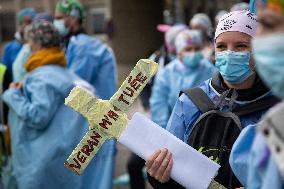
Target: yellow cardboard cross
(107, 119)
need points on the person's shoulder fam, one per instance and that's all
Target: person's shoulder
(13, 44)
(86, 39)
(205, 63)
(48, 71)
(173, 65)
(54, 77)
(168, 70)
(185, 98)
(91, 44)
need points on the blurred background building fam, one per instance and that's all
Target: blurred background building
(129, 26)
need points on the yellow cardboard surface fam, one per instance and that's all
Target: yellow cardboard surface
(85, 151)
(216, 185)
(134, 84)
(100, 113)
(107, 119)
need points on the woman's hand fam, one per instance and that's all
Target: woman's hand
(159, 165)
(16, 85)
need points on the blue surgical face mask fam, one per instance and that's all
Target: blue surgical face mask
(59, 24)
(268, 53)
(192, 59)
(233, 66)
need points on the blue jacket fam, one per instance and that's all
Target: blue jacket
(169, 82)
(44, 132)
(185, 113)
(11, 51)
(252, 162)
(94, 62)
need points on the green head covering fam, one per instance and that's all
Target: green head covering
(26, 12)
(71, 8)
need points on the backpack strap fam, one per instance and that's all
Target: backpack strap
(257, 106)
(200, 99)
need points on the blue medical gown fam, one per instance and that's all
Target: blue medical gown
(169, 82)
(252, 162)
(94, 62)
(11, 51)
(44, 132)
(185, 113)
(19, 70)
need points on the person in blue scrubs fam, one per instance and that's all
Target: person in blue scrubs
(236, 72)
(188, 70)
(44, 131)
(87, 56)
(94, 62)
(257, 157)
(11, 49)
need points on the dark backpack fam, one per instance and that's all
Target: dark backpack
(214, 132)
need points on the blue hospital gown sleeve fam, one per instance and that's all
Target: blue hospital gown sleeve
(39, 104)
(160, 109)
(106, 80)
(82, 64)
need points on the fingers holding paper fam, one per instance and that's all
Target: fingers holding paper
(159, 165)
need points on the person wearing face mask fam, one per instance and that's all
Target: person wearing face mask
(236, 87)
(88, 57)
(94, 62)
(188, 70)
(257, 156)
(202, 22)
(11, 50)
(18, 65)
(43, 130)
(163, 57)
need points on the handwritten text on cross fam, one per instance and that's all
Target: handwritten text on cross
(107, 119)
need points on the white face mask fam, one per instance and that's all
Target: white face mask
(59, 24)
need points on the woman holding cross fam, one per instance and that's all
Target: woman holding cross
(236, 86)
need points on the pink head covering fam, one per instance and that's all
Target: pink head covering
(188, 37)
(171, 35)
(238, 21)
(163, 28)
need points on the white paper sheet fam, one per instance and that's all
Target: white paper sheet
(190, 169)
